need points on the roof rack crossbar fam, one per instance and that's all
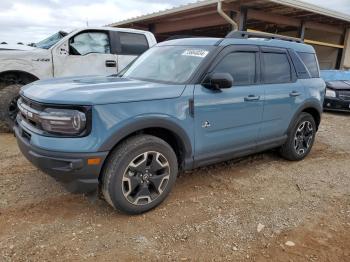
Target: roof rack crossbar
(245, 34)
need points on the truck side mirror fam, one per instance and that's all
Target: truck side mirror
(63, 49)
(217, 81)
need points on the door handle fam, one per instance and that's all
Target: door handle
(111, 63)
(294, 94)
(252, 98)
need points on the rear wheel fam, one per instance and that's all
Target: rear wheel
(8, 106)
(300, 138)
(139, 174)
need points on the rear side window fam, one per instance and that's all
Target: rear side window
(311, 63)
(277, 68)
(241, 65)
(132, 43)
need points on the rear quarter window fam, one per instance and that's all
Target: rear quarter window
(133, 43)
(310, 62)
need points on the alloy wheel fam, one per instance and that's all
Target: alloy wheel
(303, 137)
(146, 178)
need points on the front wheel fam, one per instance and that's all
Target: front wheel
(139, 174)
(300, 138)
(8, 105)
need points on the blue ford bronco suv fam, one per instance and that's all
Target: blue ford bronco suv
(184, 103)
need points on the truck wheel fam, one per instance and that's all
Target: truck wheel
(8, 106)
(139, 174)
(300, 138)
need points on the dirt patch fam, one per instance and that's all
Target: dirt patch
(213, 213)
(325, 239)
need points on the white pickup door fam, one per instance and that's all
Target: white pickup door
(97, 52)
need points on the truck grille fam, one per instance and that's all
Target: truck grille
(345, 95)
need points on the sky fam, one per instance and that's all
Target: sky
(33, 20)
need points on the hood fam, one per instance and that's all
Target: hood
(338, 84)
(98, 90)
(16, 47)
(12, 59)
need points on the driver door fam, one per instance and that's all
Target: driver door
(227, 121)
(86, 53)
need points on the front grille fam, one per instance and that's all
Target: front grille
(32, 104)
(29, 112)
(344, 95)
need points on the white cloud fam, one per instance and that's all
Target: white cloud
(337, 5)
(31, 21)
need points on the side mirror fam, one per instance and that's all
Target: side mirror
(62, 49)
(218, 81)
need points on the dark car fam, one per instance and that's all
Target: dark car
(338, 90)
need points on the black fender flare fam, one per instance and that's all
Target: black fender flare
(146, 122)
(311, 104)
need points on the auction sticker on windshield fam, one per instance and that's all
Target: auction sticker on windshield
(195, 52)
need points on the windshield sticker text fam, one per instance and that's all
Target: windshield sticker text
(195, 52)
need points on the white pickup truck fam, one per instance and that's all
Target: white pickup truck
(87, 51)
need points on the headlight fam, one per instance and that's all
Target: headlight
(63, 121)
(330, 93)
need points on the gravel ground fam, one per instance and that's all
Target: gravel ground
(259, 208)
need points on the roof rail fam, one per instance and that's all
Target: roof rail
(245, 34)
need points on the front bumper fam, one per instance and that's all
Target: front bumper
(336, 104)
(70, 168)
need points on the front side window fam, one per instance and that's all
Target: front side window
(90, 42)
(132, 43)
(241, 65)
(310, 62)
(277, 68)
(169, 64)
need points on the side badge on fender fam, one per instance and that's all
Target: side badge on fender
(206, 124)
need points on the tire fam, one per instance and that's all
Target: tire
(300, 139)
(139, 174)
(8, 106)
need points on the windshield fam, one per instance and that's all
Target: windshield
(170, 64)
(50, 41)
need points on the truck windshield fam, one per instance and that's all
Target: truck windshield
(51, 40)
(169, 64)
